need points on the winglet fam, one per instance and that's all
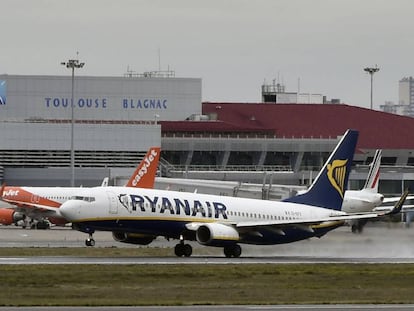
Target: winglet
(144, 175)
(398, 206)
(329, 186)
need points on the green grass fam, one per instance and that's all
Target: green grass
(86, 251)
(97, 285)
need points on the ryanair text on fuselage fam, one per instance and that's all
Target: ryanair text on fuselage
(174, 206)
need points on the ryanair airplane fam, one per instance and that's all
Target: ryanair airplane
(138, 216)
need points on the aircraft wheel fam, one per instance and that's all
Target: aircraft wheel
(187, 250)
(227, 251)
(354, 229)
(357, 228)
(237, 251)
(179, 250)
(90, 242)
(232, 251)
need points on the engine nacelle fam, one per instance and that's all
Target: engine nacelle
(133, 238)
(9, 216)
(216, 234)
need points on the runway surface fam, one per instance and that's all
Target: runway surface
(379, 243)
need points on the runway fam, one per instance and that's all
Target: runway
(380, 243)
(201, 260)
(368, 307)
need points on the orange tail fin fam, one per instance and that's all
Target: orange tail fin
(144, 175)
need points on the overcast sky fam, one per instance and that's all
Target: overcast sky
(233, 45)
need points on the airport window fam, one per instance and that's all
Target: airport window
(388, 160)
(410, 161)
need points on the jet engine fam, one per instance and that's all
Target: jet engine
(133, 238)
(216, 234)
(9, 216)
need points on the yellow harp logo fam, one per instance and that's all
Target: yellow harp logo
(336, 175)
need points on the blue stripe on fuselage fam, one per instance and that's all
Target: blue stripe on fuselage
(174, 229)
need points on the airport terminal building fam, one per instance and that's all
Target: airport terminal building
(116, 119)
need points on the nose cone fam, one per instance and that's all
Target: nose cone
(71, 210)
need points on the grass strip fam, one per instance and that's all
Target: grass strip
(86, 251)
(125, 285)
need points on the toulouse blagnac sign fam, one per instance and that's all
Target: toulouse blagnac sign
(102, 103)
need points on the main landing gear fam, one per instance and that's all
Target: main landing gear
(233, 250)
(358, 226)
(185, 250)
(182, 249)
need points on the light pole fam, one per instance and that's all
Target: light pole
(72, 64)
(371, 71)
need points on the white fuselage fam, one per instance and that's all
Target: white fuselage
(169, 213)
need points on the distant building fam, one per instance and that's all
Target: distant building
(275, 93)
(406, 91)
(405, 106)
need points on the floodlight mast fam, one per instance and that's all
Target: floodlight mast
(72, 64)
(371, 71)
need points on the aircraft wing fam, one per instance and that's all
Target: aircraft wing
(25, 207)
(395, 200)
(306, 224)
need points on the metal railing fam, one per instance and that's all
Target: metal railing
(245, 168)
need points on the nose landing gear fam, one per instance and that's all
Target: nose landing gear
(90, 241)
(182, 249)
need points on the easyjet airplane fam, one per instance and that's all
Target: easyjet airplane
(35, 202)
(138, 216)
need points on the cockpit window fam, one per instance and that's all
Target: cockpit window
(82, 198)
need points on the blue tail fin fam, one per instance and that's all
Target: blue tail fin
(329, 187)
